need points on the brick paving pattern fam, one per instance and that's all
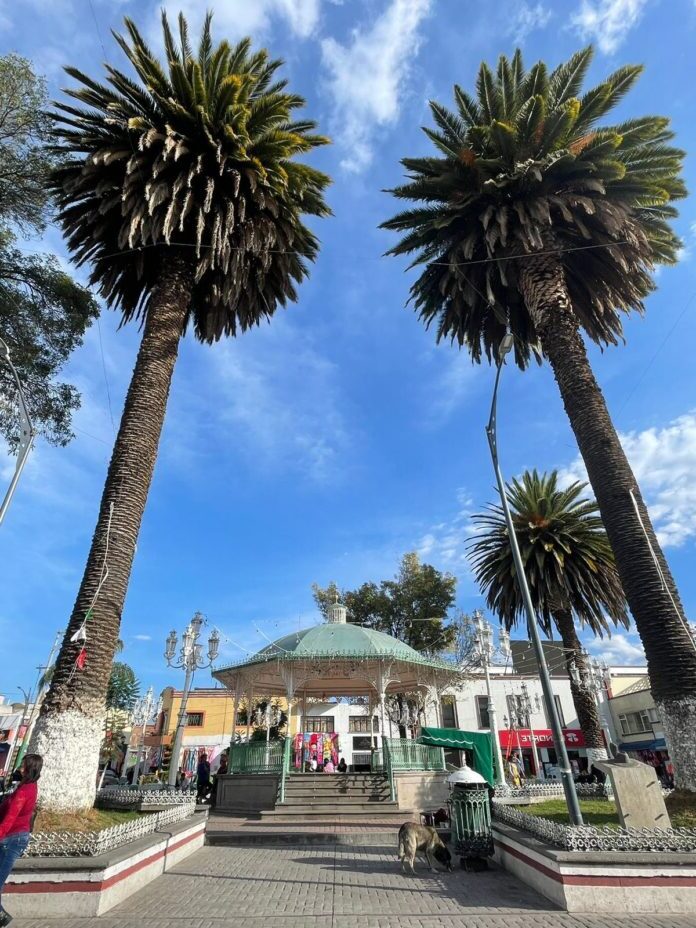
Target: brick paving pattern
(335, 887)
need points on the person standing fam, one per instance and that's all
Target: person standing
(203, 778)
(16, 818)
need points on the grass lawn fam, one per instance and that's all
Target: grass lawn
(680, 805)
(92, 820)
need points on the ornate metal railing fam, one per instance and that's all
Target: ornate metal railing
(553, 791)
(121, 797)
(257, 757)
(92, 844)
(593, 838)
(410, 755)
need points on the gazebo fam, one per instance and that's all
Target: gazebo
(338, 659)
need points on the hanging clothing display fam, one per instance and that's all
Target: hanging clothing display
(322, 747)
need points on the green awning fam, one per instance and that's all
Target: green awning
(477, 742)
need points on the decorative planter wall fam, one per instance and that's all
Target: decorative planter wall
(87, 886)
(606, 881)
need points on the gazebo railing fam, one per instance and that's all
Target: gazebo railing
(405, 754)
(257, 757)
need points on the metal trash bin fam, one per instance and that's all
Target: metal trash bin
(470, 818)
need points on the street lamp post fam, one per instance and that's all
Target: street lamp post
(144, 711)
(26, 432)
(549, 702)
(190, 659)
(526, 707)
(592, 678)
(486, 651)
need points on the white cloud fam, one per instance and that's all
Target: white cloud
(444, 544)
(142, 637)
(527, 18)
(234, 19)
(664, 462)
(620, 650)
(607, 22)
(368, 74)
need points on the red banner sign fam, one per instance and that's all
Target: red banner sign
(522, 738)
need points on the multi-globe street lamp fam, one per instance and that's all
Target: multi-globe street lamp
(190, 659)
(522, 718)
(571, 795)
(594, 678)
(486, 650)
(145, 712)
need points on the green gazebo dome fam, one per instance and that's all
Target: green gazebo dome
(339, 641)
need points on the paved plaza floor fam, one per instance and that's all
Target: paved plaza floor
(335, 886)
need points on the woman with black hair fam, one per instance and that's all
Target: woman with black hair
(16, 818)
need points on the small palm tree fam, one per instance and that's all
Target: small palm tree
(182, 189)
(570, 571)
(534, 217)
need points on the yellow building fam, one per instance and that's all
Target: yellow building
(209, 725)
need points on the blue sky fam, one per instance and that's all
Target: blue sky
(324, 446)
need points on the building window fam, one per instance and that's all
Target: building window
(194, 719)
(449, 712)
(361, 723)
(635, 723)
(559, 709)
(517, 718)
(323, 724)
(164, 718)
(484, 719)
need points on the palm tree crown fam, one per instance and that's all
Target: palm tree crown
(198, 155)
(568, 561)
(525, 169)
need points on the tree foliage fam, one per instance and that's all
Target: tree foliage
(25, 159)
(566, 554)
(43, 312)
(413, 606)
(526, 167)
(123, 689)
(198, 157)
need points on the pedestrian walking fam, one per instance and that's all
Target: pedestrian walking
(16, 820)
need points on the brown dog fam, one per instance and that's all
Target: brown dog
(423, 838)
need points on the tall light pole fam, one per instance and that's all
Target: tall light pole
(551, 712)
(144, 711)
(592, 677)
(525, 704)
(485, 646)
(191, 659)
(26, 432)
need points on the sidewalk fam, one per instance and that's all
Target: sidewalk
(335, 887)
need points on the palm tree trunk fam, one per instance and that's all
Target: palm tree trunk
(69, 731)
(583, 697)
(647, 581)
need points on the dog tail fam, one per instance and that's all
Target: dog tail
(402, 847)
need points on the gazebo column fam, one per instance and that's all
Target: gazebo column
(382, 687)
(250, 700)
(235, 706)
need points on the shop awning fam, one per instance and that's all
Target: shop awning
(657, 744)
(459, 740)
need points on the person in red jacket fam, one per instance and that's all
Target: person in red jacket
(16, 815)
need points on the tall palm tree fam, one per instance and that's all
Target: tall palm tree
(182, 190)
(535, 218)
(570, 570)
